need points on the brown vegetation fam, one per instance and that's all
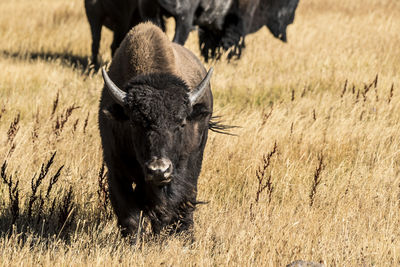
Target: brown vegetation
(329, 100)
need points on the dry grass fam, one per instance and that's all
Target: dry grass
(330, 192)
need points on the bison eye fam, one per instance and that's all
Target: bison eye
(199, 112)
(180, 126)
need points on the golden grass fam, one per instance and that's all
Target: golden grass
(291, 94)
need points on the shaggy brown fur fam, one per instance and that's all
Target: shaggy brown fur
(146, 49)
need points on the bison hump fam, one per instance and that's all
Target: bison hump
(145, 49)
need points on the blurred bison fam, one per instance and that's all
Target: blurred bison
(188, 13)
(119, 16)
(154, 117)
(223, 24)
(245, 17)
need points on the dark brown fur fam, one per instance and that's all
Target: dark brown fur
(157, 75)
(119, 16)
(245, 17)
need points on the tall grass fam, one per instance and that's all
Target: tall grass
(312, 174)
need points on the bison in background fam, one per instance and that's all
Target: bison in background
(277, 15)
(119, 16)
(188, 13)
(223, 24)
(245, 17)
(154, 117)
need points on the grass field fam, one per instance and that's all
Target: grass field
(329, 100)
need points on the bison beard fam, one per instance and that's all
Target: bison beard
(154, 130)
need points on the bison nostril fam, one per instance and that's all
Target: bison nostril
(168, 172)
(159, 169)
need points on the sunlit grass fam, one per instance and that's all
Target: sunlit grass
(289, 94)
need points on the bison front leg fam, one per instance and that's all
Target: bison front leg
(151, 11)
(96, 35)
(124, 204)
(184, 25)
(94, 16)
(119, 35)
(233, 38)
(122, 27)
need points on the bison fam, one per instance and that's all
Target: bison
(154, 117)
(245, 17)
(188, 13)
(119, 16)
(275, 14)
(223, 24)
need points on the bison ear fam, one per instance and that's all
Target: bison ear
(200, 90)
(115, 112)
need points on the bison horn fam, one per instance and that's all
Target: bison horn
(117, 94)
(200, 90)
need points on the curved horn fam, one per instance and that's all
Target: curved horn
(199, 91)
(117, 94)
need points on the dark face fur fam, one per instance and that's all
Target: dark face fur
(280, 15)
(164, 125)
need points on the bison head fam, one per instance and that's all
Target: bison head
(280, 14)
(167, 122)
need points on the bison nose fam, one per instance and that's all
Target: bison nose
(283, 37)
(159, 170)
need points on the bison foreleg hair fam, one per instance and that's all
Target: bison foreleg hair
(217, 126)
